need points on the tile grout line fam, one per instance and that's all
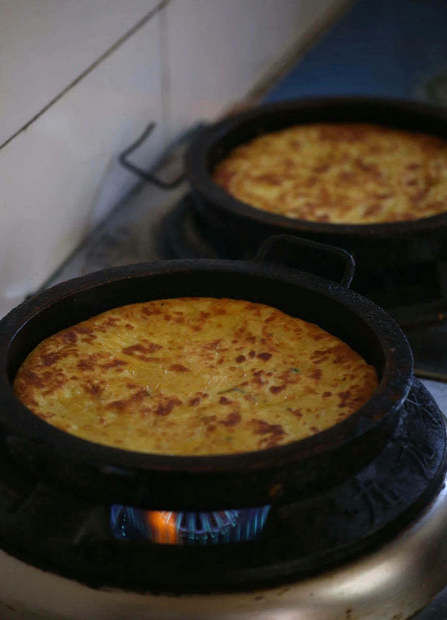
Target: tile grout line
(165, 72)
(142, 22)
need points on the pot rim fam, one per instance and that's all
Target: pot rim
(201, 180)
(393, 388)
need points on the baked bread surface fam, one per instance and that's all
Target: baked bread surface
(194, 376)
(340, 173)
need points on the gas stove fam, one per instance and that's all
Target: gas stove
(110, 562)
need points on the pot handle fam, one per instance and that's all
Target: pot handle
(146, 176)
(307, 255)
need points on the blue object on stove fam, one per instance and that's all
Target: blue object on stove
(394, 48)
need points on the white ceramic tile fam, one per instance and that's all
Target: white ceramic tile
(45, 44)
(52, 174)
(217, 50)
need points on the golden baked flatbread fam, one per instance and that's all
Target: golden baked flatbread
(341, 173)
(193, 376)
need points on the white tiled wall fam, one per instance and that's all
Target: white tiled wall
(51, 175)
(79, 81)
(46, 44)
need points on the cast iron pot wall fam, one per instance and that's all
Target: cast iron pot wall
(375, 246)
(112, 475)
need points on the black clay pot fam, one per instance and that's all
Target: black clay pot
(278, 474)
(377, 248)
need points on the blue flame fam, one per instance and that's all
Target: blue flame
(193, 528)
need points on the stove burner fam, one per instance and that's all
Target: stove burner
(52, 529)
(187, 528)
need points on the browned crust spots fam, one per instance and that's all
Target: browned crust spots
(258, 377)
(69, 336)
(179, 368)
(151, 309)
(165, 408)
(316, 374)
(51, 358)
(272, 434)
(232, 419)
(276, 389)
(95, 389)
(115, 363)
(261, 427)
(31, 378)
(141, 350)
(126, 403)
(89, 362)
(344, 397)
